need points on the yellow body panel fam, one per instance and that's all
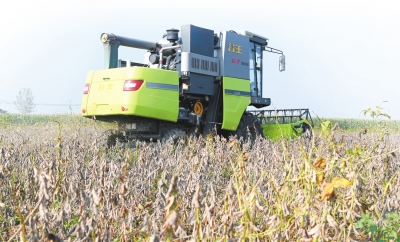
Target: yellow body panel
(158, 97)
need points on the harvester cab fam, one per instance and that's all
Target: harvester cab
(200, 82)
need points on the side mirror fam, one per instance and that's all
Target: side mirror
(282, 63)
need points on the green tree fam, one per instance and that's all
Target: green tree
(2, 111)
(24, 102)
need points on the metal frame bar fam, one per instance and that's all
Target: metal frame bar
(283, 116)
(273, 50)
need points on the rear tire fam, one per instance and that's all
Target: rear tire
(174, 134)
(108, 139)
(113, 139)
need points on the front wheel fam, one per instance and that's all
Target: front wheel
(306, 131)
(255, 130)
(248, 128)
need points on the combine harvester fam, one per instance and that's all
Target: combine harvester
(200, 82)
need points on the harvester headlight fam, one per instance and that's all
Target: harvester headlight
(104, 38)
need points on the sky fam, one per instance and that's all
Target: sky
(342, 56)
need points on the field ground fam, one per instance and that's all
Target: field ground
(58, 183)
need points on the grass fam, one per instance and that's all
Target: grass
(357, 125)
(58, 182)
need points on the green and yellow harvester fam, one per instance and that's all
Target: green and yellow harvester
(200, 82)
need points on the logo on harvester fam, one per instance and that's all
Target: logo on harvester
(105, 87)
(235, 48)
(235, 61)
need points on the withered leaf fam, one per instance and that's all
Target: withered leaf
(343, 164)
(341, 182)
(320, 178)
(246, 156)
(233, 143)
(327, 192)
(148, 204)
(320, 163)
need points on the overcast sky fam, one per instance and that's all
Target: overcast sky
(341, 56)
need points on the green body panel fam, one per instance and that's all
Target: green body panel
(236, 98)
(277, 131)
(158, 96)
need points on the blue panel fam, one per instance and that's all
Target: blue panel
(197, 40)
(235, 55)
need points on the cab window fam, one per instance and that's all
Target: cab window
(255, 66)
